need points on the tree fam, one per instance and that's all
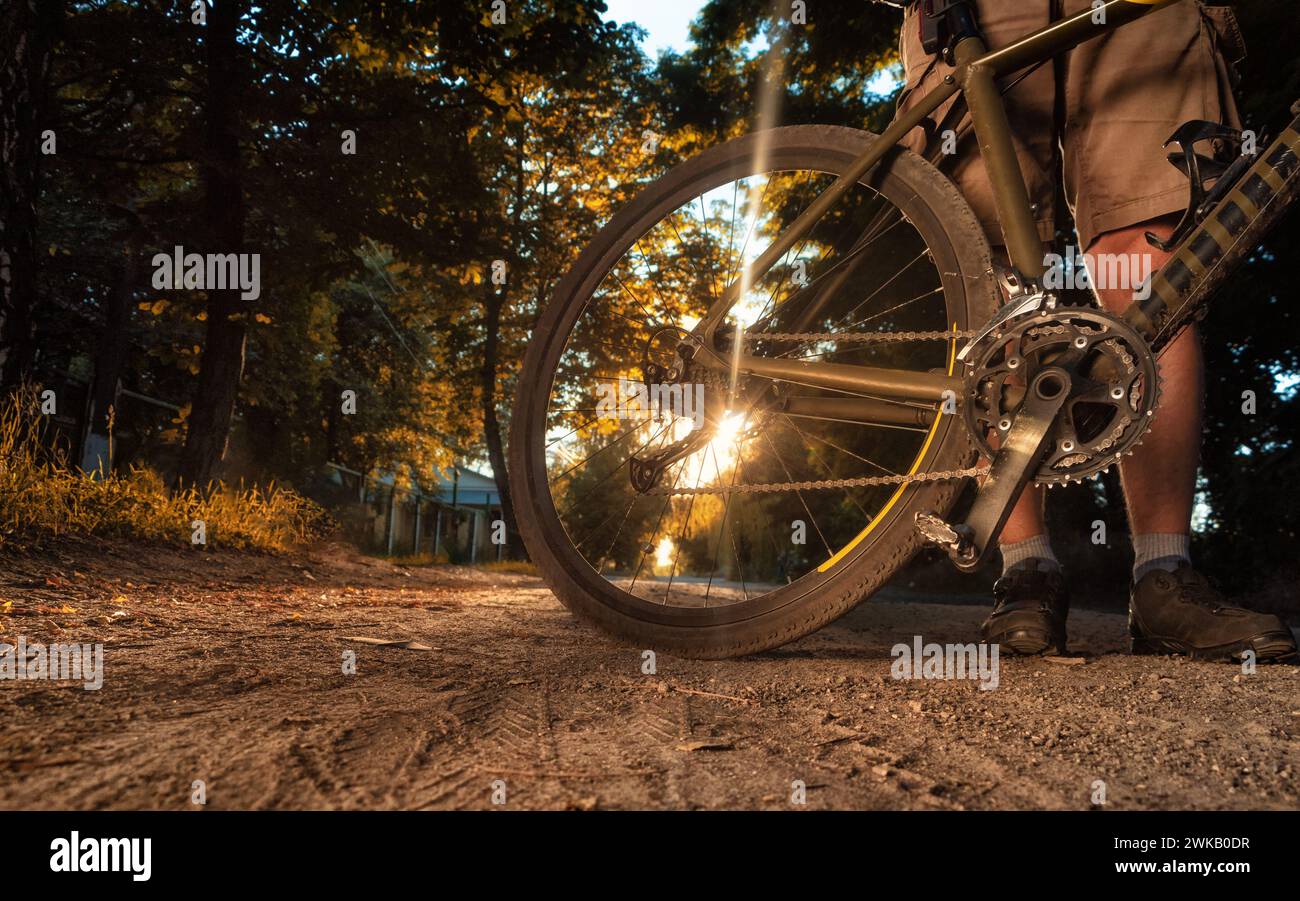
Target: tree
(560, 152)
(27, 34)
(220, 172)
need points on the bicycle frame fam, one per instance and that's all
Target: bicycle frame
(975, 76)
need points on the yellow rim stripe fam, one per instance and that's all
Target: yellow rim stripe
(916, 464)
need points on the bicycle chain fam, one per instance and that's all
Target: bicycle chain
(862, 482)
(860, 337)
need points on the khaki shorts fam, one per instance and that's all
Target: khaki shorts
(1097, 117)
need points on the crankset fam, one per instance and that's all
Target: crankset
(1052, 397)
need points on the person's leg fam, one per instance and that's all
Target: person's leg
(1159, 479)
(1125, 93)
(1024, 537)
(1172, 607)
(1032, 112)
(1030, 600)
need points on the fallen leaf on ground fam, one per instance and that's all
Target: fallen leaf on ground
(404, 643)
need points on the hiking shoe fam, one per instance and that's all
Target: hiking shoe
(1179, 612)
(1029, 610)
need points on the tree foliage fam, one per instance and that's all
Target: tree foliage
(477, 142)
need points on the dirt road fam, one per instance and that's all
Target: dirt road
(229, 670)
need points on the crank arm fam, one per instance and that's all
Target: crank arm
(970, 543)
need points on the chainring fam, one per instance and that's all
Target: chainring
(1114, 392)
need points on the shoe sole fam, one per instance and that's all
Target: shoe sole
(1271, 647)
(1027, 643)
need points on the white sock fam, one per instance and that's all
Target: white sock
(1017, 552)
(1160, 550)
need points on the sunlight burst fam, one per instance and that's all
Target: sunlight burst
(664, 552)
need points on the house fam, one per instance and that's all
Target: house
(457, 517)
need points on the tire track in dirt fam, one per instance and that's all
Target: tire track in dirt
(494, 732)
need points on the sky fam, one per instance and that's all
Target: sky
(666, 21)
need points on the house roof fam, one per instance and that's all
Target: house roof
(469, 488)
(459, 484)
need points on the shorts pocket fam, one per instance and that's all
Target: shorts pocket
(1227, 32)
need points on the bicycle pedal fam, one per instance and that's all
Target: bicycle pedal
(937, 531)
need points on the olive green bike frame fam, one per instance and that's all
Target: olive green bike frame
(975, 75)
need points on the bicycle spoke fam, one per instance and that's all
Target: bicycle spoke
(590, 491)
(595, 418)
(667, 501)
(649, 316)
(847, 260)
(594, 454)
(722, 528)
(799, 494)
(677, 545)
(603, 557)
(829, 472)
(895, 277)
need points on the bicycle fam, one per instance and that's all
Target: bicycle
(843, 400)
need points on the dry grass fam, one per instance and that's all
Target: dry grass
(41, 495)
(517, 567)
(424, 558)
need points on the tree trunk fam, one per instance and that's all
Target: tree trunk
(26, 39)
(110, 357)
(493, 302)
(222, 365)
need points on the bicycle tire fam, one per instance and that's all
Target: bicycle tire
(933, 205)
